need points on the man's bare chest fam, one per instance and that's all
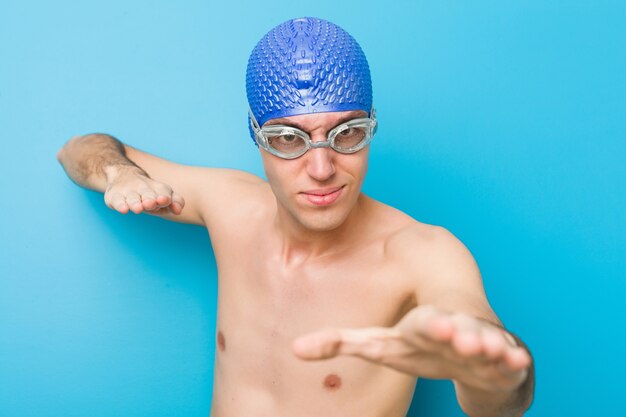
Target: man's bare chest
(262, 309)
(278, 303)
(264, 304)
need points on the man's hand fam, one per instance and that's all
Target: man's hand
(433, 344)
(130, 189)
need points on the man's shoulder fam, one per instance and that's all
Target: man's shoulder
(403, 232)
(417, 242)
(418, 238)
(239, 195)
(230, 182)
(435, 263)
(231, 176)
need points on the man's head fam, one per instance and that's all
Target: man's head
(309, 90)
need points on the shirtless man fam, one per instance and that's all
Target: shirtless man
(330, 303)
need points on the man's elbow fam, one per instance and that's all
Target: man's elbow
(61, 153)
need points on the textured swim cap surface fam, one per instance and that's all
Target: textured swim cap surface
(307, 65)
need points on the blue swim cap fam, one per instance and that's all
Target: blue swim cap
(306, 65)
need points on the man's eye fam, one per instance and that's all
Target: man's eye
(350, 137)
(287, 142)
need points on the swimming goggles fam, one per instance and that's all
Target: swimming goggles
(289, 142)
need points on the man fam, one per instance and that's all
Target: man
(330, 303)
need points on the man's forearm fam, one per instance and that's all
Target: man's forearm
(91, 160)
(476, 402)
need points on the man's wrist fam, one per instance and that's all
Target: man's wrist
(484, 403)
(119, 170)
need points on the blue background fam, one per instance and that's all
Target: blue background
(503, 121)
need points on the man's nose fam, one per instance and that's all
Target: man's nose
(320, 163)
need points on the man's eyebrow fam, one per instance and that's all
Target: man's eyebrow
(287, 122)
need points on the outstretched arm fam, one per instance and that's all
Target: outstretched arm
(133, 180)
(452, 334)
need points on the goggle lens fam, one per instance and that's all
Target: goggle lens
(349, 137)
(287, 143)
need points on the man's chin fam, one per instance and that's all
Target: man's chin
(322, 222)
(318, 218)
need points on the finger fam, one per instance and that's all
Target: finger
(163, 200)
(319, 345)
(438, 328)
(133, 199)
(466, 340)
(370, 343)
(427, 322)
(494, 343)
(163, 193)
(517, 359)
(429, 331)
(117, 202)
(178, 202)
(512, 377)
(373, 343)
(149, 199)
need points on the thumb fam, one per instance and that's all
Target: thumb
(368, 343)
(323, 344)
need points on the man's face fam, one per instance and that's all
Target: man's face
(319, 189)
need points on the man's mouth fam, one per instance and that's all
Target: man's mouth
(323, 196)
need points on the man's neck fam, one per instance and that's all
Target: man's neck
(299, 243)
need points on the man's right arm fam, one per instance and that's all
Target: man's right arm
(136, 181)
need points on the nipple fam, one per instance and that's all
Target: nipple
(221, 341)
(332, 382)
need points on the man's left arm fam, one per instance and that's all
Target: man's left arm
(452, 333)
